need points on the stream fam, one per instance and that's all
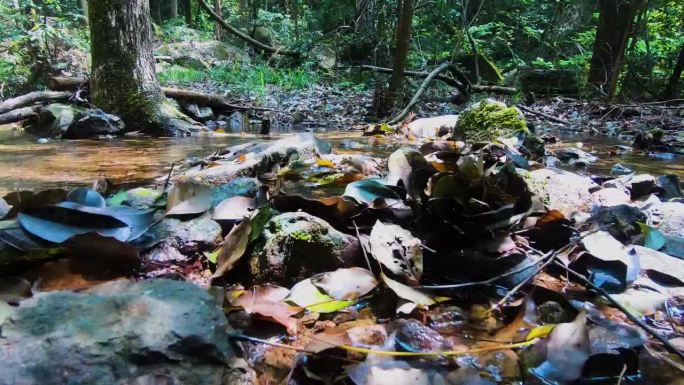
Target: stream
(30, 165)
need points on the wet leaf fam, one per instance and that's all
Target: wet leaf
(57, 224)
(139, 221)
(368, 190)
(345, 284)
(404, 166)
(268, 301)
(26, 199)
(310, 297)
(86, 197)
(653, 238)
(397, 250)
(189, 200)
(233, 248)
(258, 221)
(5, 208)
(234, 209)
(568, 348)
(408, 293)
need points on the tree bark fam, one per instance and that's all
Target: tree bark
(169, 9)
(673, 83)
(32, 98)
(84, 7)
(187, 11)
(19, 114)
(403, 39)
(123, 80)
(217, 28)
(615, 23)
(155, 10)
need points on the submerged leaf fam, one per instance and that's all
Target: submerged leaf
(86, 197)
(368, 190)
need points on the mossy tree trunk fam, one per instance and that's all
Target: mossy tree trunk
(123, 80)
(673, 83)
(187, 11)
(403, 39)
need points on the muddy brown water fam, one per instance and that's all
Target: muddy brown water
(26, 164)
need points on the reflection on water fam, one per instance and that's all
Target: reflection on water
(604, 148)
(26, 164)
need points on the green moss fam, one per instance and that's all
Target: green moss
(489, 120)
(302, 236)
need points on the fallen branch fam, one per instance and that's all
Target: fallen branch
(19, 114)
(211, 100)
(217, 18)
(543, 115)
(419, 93)
(32, 98)
(619, 306)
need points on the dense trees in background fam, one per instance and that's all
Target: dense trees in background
(619, 48)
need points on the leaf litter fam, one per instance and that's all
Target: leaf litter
(467, 276)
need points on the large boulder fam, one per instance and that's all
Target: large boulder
(297, 245)
(116, 333)
(73, 122)
(202, 54)
(489, 120)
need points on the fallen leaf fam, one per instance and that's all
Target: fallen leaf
(345, 284)
(57, 224)
(233, 248)
(325, 163)
(310, 297)
(86, 197)
(268, 301)
(189, 199)
(397, 250)
(368, 190)
(234, 209)
(408, 293)
(653, 238)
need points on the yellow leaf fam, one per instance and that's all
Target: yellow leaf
(325, 163)
(220, 131)
(540, 331)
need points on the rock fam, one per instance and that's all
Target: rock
(576, 157)
(668, 217)
(258, 159)
(264, 35)
(638, 185)
(433, 127)
(202, 55)
(609, 197)
(296, 246)
(489, 120)
(324, 56)
(235, 122)
(201, 114)
(72, 122)
(543, 81)
(413, 336)
(561, 190)
(179, 239)
(116, 333)
(94, 122)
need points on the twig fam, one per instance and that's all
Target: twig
(363, 248)
(168, 177)
(543, 115)
(619, 306)
(419, 93)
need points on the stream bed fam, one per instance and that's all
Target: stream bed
(30, 165)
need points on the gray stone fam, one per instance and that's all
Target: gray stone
(201, 114)
(180, 239)
(563, 191)
(116, 333)
(638, 185)
(297, 245)
(202, 55)
(73, 122)
(668, 217)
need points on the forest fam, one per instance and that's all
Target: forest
(355, 192)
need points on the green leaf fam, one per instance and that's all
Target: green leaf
(119, 198)
(653, 238)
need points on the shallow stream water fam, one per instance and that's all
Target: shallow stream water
(26, 164)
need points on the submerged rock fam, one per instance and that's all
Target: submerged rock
(73, 122)
(115, 333)
(489, 120)
(298, 245)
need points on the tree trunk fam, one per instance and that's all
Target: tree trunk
(403, 38)
(123, 80)
(673, 83)
(615, 23)
(155, 10)
(217, 28)
(187, 11)
(169, 9)
(84, 7)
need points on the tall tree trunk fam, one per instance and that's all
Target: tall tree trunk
(84, 7)
(615, 23)
(673, 83)
(155, 10)
(217, 27)
(123, 81)
(403, 38)
(169, 9)
(187, 11)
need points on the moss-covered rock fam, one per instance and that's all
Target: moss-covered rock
(297, 245)
(490, 119)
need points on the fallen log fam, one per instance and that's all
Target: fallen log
(32, 98)
(217, 18)
(19, 114)
(210, 100)
(543, 115)
(450, 81)
(419, 93)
